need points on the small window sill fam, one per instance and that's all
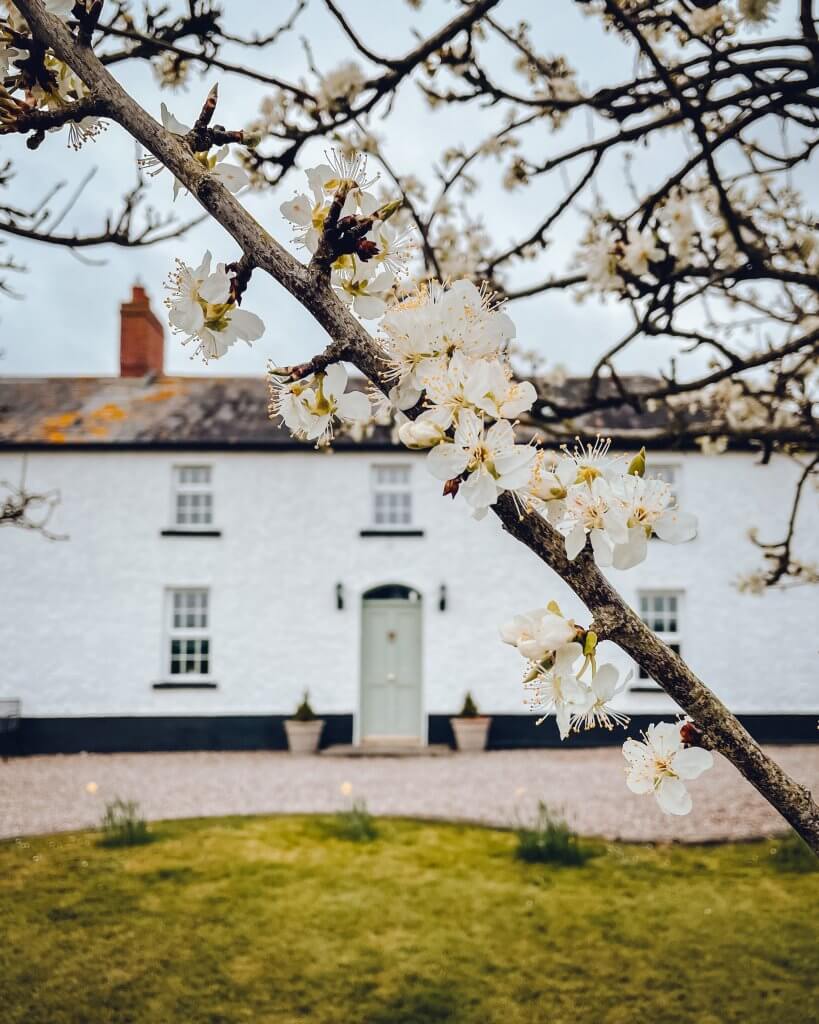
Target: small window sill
(178, 532)
(391, 532)
(201, 684)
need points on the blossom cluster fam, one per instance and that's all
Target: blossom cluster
(559, 654)
(47, 84)
(446, 353)
(364, 278)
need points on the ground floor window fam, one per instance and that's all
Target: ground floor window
(188, 642)
(660, 610)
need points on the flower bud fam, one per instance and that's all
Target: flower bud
(420, 434)
(388, 209)
(637, 466)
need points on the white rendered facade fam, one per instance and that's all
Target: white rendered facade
(85, 627)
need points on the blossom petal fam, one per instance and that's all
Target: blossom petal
(604, 683)
(369, 307)
(187, 316)
(170, 123)
(575, 541)
(232, 176)
(676, 527)
(247, 326)
(298, 210)
(692, 762)
(216, 288)
(335, 380)
(480, 489)
(627, 555)
(601, 547)
(673, 797)
(446, 461)
(354, 406)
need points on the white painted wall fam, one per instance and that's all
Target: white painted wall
(81, 621)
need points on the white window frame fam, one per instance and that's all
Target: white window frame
(203, 488)
(643, 683)
(382, 487)
(176, 632)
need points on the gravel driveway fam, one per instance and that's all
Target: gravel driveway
(49, 794)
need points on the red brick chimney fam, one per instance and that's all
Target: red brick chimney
(141, 339)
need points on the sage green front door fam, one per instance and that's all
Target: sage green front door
(391, 668)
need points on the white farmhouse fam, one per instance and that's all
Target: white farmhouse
(215, 570)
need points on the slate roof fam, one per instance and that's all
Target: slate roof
(207, 412)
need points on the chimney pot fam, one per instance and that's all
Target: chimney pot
(141, 338)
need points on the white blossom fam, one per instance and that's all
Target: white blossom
(201, 307)
(424, 330)
(650, 508)
(592, 509)
(641, 249)
(341, 85)
(599, 261)
(594, 710)
(310, 407)
(538, 634)
(232, 176)
(549, 481)
(308, 213)
(558, 691)
(492, 460)
(364, 288)
(661, 762)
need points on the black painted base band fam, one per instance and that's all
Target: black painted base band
(266, 732)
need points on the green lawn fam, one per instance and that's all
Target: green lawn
(269, 920)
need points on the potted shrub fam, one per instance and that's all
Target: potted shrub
(303, 729)
(470, 727)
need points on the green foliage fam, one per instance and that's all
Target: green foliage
(304, 713)
(470, 708)
(122, 825)
(242, 919)
(792, 853)
(355, 824)
(551, 841)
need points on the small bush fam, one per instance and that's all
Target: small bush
(355, 824)
(304, 713)
(122, 824)
(792, 853)
(470, 708)
(550, 841)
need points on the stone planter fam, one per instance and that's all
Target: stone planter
(303, 737)
(471, 733)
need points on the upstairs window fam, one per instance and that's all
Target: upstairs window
(392, 495)
(660, 611)
(188, 643)
(193, 497)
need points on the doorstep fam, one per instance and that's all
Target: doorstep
(383, 748)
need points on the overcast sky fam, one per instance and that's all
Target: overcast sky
(67, 321)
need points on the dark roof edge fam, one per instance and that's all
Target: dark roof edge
(617, 441)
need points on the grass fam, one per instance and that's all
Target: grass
(122, 825)
(356, 824)
(272, 921)
(551, 841)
